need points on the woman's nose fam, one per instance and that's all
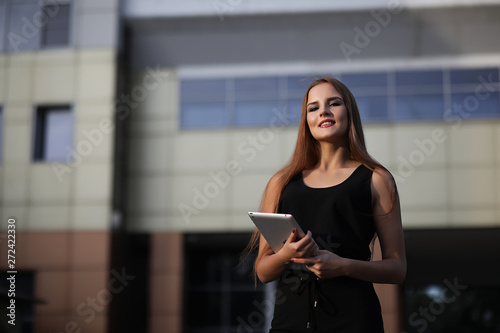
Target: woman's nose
(325, 110)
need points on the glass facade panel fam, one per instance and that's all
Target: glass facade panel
(203, 91)
(29, 25)
(204, 115)
(365, 80)
(373, 108)
(23, 34)
(419, 78)
(419, 107)
(473, 76)
(297, 86)
(3, 25)
(254, 113)
(219, 294)
(293, 108)
(257, 88)
(470, 106)
(56, 31)
(412, 96)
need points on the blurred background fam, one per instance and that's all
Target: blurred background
(136, 135)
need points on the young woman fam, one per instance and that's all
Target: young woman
(344, 198)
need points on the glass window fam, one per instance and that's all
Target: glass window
(373, 108)
(3, 24)
(297, 86)
(254, 113)
(419, 78)
(412, 96)
(55, 32)
(419, 107)
(256, 88)
(204, 115)
(293, 108)
(203, 91)
(473, 76)
(365, 80)
(469, 105)
(28, 25)
(219, 291)
(53, 133)
(23, 33)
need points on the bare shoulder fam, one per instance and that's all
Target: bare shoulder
(382, 182)
(381, 175)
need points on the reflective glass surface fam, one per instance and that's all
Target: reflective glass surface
(384, 96)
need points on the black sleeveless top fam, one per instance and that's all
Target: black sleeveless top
(341, 220)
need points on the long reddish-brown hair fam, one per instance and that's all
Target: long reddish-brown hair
(307, 150)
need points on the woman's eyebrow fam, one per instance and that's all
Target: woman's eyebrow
(329, 99)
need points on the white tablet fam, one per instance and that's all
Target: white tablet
(276, 228)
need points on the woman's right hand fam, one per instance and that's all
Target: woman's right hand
(294, 247)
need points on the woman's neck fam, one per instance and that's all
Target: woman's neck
(333, 157)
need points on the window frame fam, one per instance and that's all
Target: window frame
(39, 155)
(12, 38)
(43, 29)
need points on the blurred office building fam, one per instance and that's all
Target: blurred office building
(135, 136)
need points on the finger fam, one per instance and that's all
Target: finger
(309, 250)
(292, 237)
(304, 261)
(307, 239)
(312, 269)
(312, 246)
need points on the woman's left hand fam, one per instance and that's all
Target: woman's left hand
(325, 265)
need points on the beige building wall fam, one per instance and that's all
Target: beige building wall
(74, 194)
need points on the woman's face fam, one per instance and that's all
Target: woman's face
(326, 113)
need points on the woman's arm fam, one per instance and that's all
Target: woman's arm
(392, 267)
(269, 265)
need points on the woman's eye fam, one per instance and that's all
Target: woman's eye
(334, 103)
(313, 108)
